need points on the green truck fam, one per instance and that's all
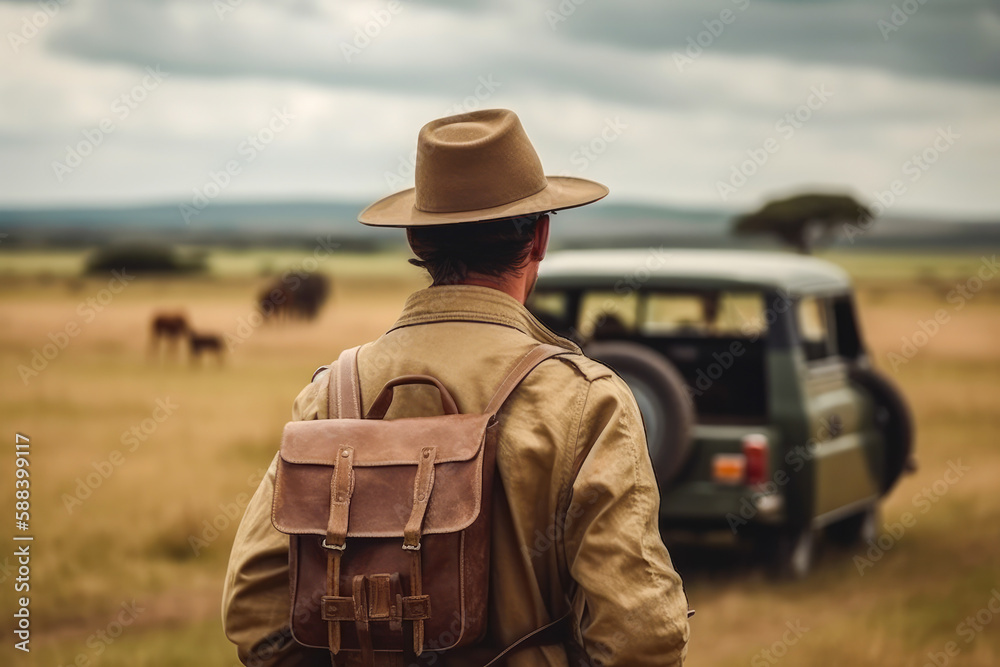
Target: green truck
(763, 414)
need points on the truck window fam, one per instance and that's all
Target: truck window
(727, 314)
(607, 314)
(848, 339)
(815, 328)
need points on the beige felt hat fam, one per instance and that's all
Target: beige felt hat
(478, 166)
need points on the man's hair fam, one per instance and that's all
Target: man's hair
(451, 252)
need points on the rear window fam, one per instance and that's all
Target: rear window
(729, 314)
(607, 314)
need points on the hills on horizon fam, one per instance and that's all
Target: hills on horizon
(285, 223)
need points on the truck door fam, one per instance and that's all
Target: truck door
(844, 481)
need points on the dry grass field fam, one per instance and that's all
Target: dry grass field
(117, 580)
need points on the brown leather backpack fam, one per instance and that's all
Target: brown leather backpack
(390, 520)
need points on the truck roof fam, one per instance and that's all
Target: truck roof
(686, 268)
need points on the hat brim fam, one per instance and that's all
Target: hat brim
(562, 192)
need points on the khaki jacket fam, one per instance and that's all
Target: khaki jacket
(603, 548)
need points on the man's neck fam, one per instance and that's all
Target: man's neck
(515, 288)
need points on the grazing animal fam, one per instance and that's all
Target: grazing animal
(295, 295)
(200, 343)
(275, 302)
(167, 329)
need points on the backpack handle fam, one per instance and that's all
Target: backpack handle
(384, 400)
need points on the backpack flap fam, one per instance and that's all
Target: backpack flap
(384, 461)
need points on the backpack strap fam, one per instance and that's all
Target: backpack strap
(343, 400)
(556, 632)
(344, 395)
(520, 371)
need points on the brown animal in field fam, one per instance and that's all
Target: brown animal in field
(167, 329)
(200, 343)
(295, 295)
(275, 302)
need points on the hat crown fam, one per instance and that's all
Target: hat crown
(473, 161)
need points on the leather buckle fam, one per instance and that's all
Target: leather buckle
(338, 547)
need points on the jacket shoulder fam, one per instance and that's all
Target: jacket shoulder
(311, 403)
(589, 369)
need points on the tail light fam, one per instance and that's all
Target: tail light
(757, 454)
(728, 468)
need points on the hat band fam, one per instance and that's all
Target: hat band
(474, 206)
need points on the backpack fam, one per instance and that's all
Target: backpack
(389, 521)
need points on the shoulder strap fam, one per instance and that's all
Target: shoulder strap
(556, 632)
(520, 371)
(344, 388)
(343, 394)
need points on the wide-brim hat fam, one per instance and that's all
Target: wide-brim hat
(477, 167)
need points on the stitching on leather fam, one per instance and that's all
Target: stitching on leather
(461, 586)
(340, 404)
(274, 499)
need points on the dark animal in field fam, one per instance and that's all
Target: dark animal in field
(295, 295)
(202, 343)
(167, 329)
(274, 302)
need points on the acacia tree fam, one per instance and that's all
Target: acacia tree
(803, 221)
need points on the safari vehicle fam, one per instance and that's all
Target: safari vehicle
(762, 411)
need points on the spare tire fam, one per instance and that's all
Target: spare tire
(663, 399)
(893, 419)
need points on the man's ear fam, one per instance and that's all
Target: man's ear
(541, 241)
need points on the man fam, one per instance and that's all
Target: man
(576, 503)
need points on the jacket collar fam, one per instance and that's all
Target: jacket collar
(472, 303)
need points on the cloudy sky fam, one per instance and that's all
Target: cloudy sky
(716, 104)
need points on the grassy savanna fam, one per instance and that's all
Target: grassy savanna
(123, 553)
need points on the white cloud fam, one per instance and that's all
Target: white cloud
(355, 122)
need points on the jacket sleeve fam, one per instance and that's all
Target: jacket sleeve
(255, 597)
(634, 609)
